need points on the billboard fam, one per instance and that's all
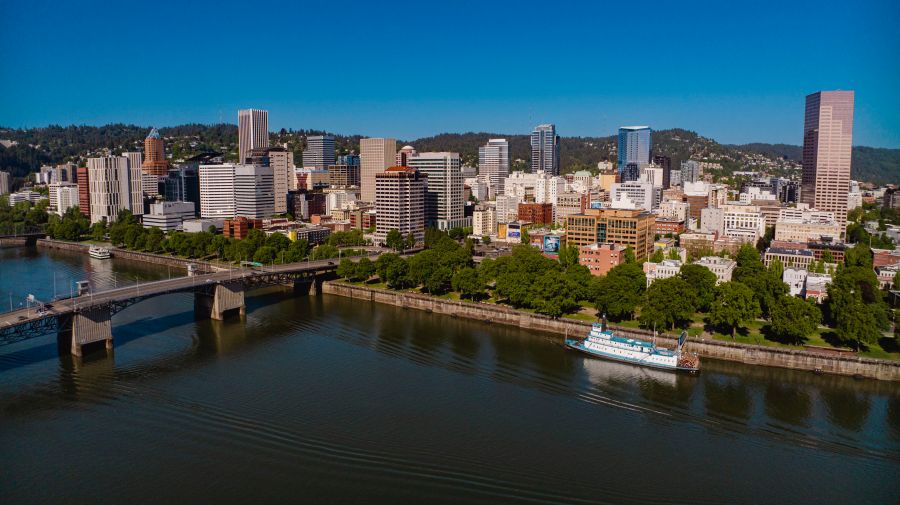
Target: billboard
(551, 244)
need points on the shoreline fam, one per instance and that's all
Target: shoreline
(116, 252)
(796, 359)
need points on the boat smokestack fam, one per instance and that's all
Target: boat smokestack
(603, 323)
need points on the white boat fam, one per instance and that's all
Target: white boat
(100, 253)
(603, 343)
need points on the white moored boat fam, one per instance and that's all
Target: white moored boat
(603, 343)
(101, 253)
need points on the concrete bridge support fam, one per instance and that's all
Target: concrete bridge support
(223, 298)
(311, 285)
(85, 327)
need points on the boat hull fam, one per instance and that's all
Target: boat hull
(578, 346)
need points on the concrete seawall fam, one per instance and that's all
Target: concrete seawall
(751, 354)
(158, 259)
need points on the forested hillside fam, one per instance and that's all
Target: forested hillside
(55, 144)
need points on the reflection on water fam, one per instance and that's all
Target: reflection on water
(331, 399)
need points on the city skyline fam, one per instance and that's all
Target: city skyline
(752, 96)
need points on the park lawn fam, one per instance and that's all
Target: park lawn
(581, 316)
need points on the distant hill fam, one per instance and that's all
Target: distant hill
(55, 144)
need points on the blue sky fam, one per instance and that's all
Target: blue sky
(736, 73)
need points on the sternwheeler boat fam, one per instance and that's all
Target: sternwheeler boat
(603, 343)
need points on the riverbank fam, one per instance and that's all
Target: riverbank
(730, 351)
(158, 259)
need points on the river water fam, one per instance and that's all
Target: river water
(329, 400)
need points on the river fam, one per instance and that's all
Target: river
(323, 399)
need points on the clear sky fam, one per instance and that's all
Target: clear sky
(734, 71)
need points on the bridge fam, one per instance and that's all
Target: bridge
(21, 237)
(87, 319)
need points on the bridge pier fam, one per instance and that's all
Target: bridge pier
(85, 327)
(223, 298)
(311, 285)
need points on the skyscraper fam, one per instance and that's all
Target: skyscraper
(375, 156)
(254, 191)
(155, 155)
(114, 185)
(493, 163)
(634, 146)
(217, 190)
(253, 131)
(319, 153)
(444, 206)
(545, 149)
(665, 163)
(827, 147)
(282, 162)
(400, 203)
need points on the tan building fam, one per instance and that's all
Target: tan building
(400, 202)
(827, 146)
(790, 258)
(375, 156)
(607, 179)
(601, 258)
(484, 221)
(662, 270)
(805, 225)
(722, 267)
(633, 228)
(282, 162)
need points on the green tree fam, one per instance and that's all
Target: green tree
(657, 256)
(620, 293)
(669, 303)
(673, 254)
(346, 269)
(827, 257)
(733, 306)
(702, 283)
(323, 252)
(568, 256)
(858, 256)
(278, 241)
(365, 269)
(265, 254)
(393, 270)
(776, 268)
(629, 255)
(793, 319)
(468, 283)
(395, 241)
(486, 240)
(98, 231)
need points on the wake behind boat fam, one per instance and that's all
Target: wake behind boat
(603, 343)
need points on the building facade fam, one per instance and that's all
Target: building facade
(253, 132)
(217, 191)
(155, 155)
(319, 153)
(626, 227)
(827, 147)
(114, 184)
(444, 191)
(400, 203)
(601, 258)
(254, 191)
(493, 164)
(545, 149)
(634, 147)
(375, 156)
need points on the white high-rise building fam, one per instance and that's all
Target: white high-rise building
(653, 174)
(539, 187)
(639, 194)
(545, 149)
(114, 185)
(444, 194)
(4, 182)
(493, 164)
(253, 131)
(484, 221)
(63, 196)
(217, 191)
(254, 191)
(336, 200)
(400, 203)
(507, 208)
(319, 153)
(375, 156)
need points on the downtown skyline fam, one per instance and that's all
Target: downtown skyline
(744, 88)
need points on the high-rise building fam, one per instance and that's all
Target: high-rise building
(631, 172)
(690, 171)
(544, 149)
(217, 191)
(400, 203)
(253, 131)
(493, 164)
(375, 155)
(342, 175)
(155, 155)
(282, 162)
(254, 191)
(84, 192)
(827, 147)
(403, 155)
(634, 146)
(182, 185)
(633, 195)
(319, 153)
(665, 163)
(444, 193)
(114, 185)
(4, 183)
(63, 195)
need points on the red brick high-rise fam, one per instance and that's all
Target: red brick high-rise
(84, 192)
